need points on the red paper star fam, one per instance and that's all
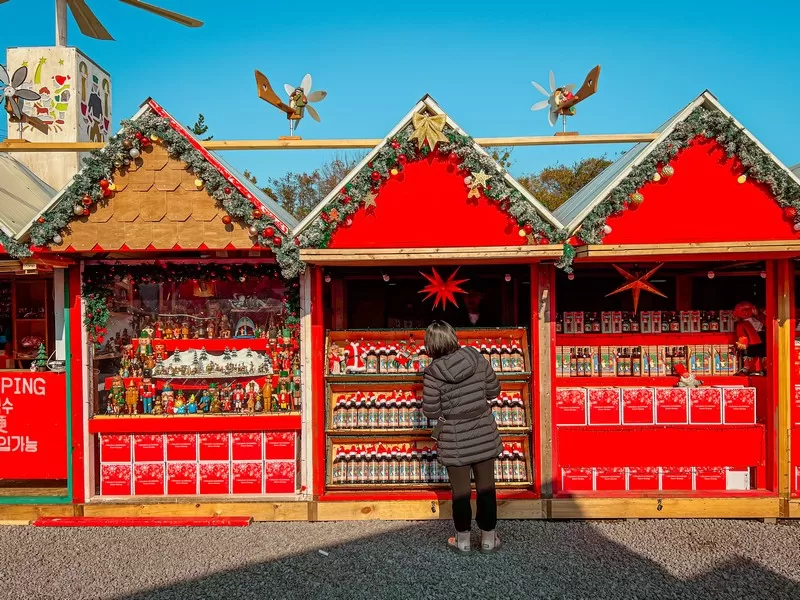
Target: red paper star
(443, 290)
(637, 284)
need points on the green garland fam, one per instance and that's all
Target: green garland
(398, 151)
(98, 285)
(709, 124)
(102, 164)
(14, 248)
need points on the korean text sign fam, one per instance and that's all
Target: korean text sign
(33, 426)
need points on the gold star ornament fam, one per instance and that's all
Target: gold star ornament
(428, 128)
(637, 284)
(480, 178)
(369, 200)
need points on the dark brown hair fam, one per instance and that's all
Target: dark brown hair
(440, 339)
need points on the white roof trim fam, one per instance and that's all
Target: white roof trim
(24, 231)
(705, 98)
(430, 104)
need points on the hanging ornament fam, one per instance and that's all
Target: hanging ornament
(145, 142)
(637, 284)
(257, 214)
(376, 176)
(57, 239)
(402, 159)
(227, 220)
(428, 128)
(527, 228)
(134, 153)
(154, 137)
(118, 163)
(103, 183)
(789, 213)
(40, 220)
(86, 200)
(138, 135)
(667, 171)
(227, 190)
(395, 144)
(656, 176)
(606, 229)
(348, 221)
(277, 241)
(571, 276)
(443, 290)
(198, 182)
(742, 178)
(369, 200)
(107, 193)
(636, 200)
(127, 144)
(711, 274)
(334, 214)
(394, 172)
(126, 161)
(78, 210)
(269, 231)
(252, 231)
(112, 187)
(468, 180)
(796, 226)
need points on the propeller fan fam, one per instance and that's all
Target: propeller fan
(300, 98)
(91, 26)
(561, 100)
(15, 97)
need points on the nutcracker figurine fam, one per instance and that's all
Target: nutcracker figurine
(238, 398)
(284, 394)
(266, 393)
(116, 396)
(147, 391)
(225, 398)
(158, 407)
(252, 395)
(205, 401)
(132, 399)
(145, 347)
(749, 328)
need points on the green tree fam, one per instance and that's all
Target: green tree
(552, 186)
(200, 128)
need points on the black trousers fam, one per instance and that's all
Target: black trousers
(486, 515)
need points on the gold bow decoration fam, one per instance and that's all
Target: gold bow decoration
(429, 128)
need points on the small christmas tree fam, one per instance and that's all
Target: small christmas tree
(176, 356)
(203, 354)
(249, 353)
(41, 359)
(226, 355)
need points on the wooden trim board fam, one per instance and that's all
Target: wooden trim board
(259, 511)
(419, 256)
(670, 508)
(300, 144)
(627, 250)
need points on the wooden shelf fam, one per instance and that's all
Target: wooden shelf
(36, 320)
(194, 423)
(708, 381)
(415, 486)
(409, 377)
(644, 339)
(413, 432)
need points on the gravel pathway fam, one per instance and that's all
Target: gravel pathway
(377, 560)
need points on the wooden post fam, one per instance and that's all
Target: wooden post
(783, 364)
(61, 22)
(542, 302)
(318, 378)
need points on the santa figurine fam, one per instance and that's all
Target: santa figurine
(354, 357)
(687, 378)
(749, 329)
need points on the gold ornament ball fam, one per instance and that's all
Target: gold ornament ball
(637, 198)
(522, 233)
(656, 177)
(112, 187)
(154, 137)
(742, 178)
(394, 172)
(668, 171)
(198, 182)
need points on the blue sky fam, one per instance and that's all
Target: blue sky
(476, 59)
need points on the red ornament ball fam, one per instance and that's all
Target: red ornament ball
(402, 159)
(227, 190)
(138, 135)
(455, 159)
(789, 213)
(296, 241)
(528, 228)
(257, 214)
(277, 241)
(376, 176)
(269, 231)
(227, 219)
(100, 339)
(144, 142)
(348, 221)
(346, 200)
(86, 200)
(40, 220)
(103, 183)
(106, 193)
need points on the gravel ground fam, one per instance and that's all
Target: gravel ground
(373, 559)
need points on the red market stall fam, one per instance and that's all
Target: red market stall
(371, 253)
(185, 305)
(685, 229)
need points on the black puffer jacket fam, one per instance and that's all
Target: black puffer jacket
(459, 387)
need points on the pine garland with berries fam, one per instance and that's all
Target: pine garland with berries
(389, 162)
(708, 124)
(99, 279)
(94, 184)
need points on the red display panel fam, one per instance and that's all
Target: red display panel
(116, 448)
(116, 480)
(644, 479)
(279, 477)
(577, 480)
(570, 406)
(182, 478)
(214, 446)
(247, 477)
(610, 479)
(677, 479)
(656, 446)
(215, 478)
(33, 444)
(246, 446)
(148, 479)
(181, 447)
(604, 406)
(638, 406)
(148, 448)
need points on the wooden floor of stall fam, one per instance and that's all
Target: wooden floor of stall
(767, 508)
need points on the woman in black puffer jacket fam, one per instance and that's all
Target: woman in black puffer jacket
(458, 387)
